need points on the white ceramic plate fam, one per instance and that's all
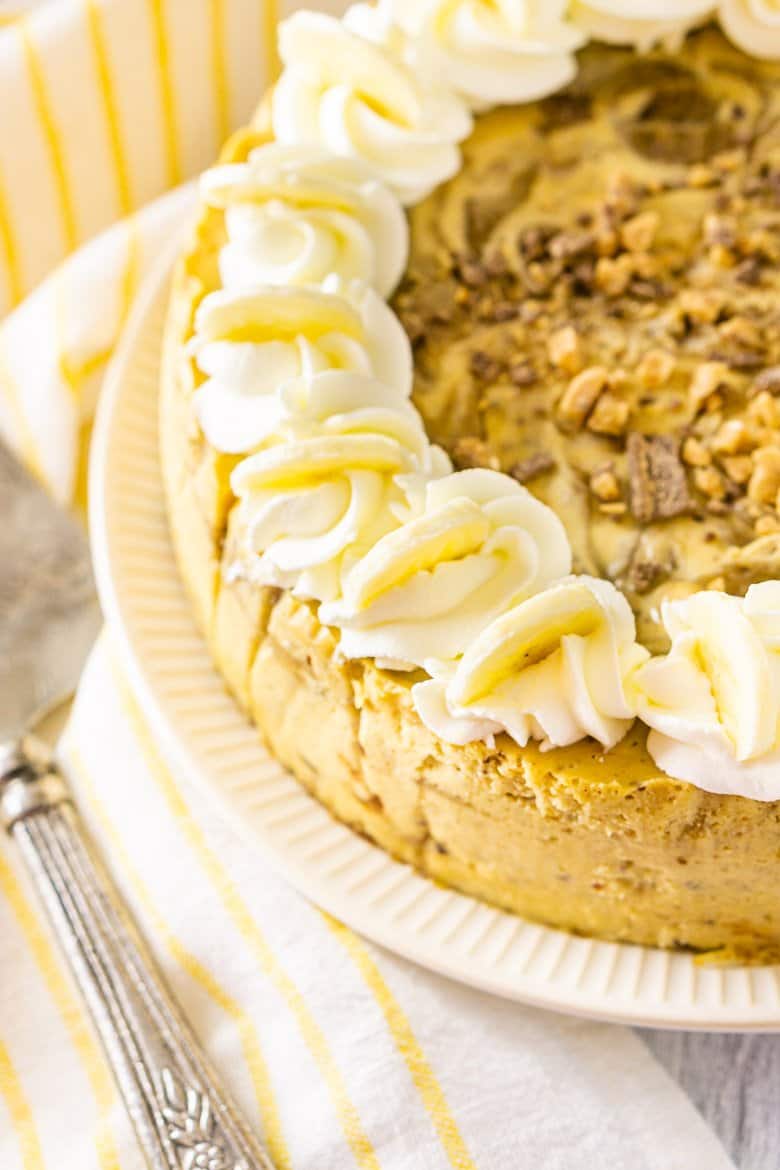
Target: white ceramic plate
(203, 733)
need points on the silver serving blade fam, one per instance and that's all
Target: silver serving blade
(49, 615)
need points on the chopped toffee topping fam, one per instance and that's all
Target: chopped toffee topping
(594, 304)
(658, 487)
(528, 469)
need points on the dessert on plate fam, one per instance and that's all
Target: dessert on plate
(470, 428)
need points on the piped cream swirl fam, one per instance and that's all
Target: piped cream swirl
(480, 543)
(642, 23)
(295, 215)
(343, 469)
(713, 701)
(753, 26)
(488, 53)
(553, 669)
(251, 343)
(358, 99)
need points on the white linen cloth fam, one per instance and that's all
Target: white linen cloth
(342, 1055)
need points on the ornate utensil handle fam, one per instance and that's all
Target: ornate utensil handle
(183, 1117)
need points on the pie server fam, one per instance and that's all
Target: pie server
(49, 618)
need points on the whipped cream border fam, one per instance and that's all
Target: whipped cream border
(317, 109)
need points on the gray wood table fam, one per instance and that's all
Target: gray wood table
(732, 1081)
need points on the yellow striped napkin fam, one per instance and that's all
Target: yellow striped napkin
(342, 1055)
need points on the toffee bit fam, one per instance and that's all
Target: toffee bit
(473, 273)
(721, 257)
(609, 416)
(738, 468)
(637, 234)
(745, 359)
(484, 366)
(496, 265)
(700, 175)
(748, 271)
(708, 378)
(694, 453)
(538, 279)
(645, 575)
(765, 481)
(622, 195)
(583, 276)
(646, 290)
(604, 484)
(710, 482)
(565, 350)
(566, 245)
(768, 379)
(764, 409)
(581, 395)
(505, 311)
(656, 368)
(472, 451)
(613, 276)
(527, 469)
(717, 507)
(720, 229)
(658, 488)
(607, 241)
(523, 374)
(734, 437)
(701, 307)
(532, 242)
(653, 560)
(741, 331)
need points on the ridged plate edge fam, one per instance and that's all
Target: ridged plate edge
(203, 733)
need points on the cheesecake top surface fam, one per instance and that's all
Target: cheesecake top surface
(593, 307)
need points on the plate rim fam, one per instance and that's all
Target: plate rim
(439, 957)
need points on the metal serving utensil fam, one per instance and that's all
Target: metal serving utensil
(49, 618)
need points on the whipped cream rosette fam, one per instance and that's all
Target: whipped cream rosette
(295, 215)
(251, 342)
(642, 23)
(479, 544)
(553, 669)
(753, 25)
(487, 53)
(342, 470)
(713, 701)
(344, 402)
(356, 98)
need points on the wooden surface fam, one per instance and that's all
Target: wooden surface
(733, 1081)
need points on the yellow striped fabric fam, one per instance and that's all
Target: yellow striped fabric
(51, 131)
(106, 104)
(111, 102)
(20, 1114)
(11, 263)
